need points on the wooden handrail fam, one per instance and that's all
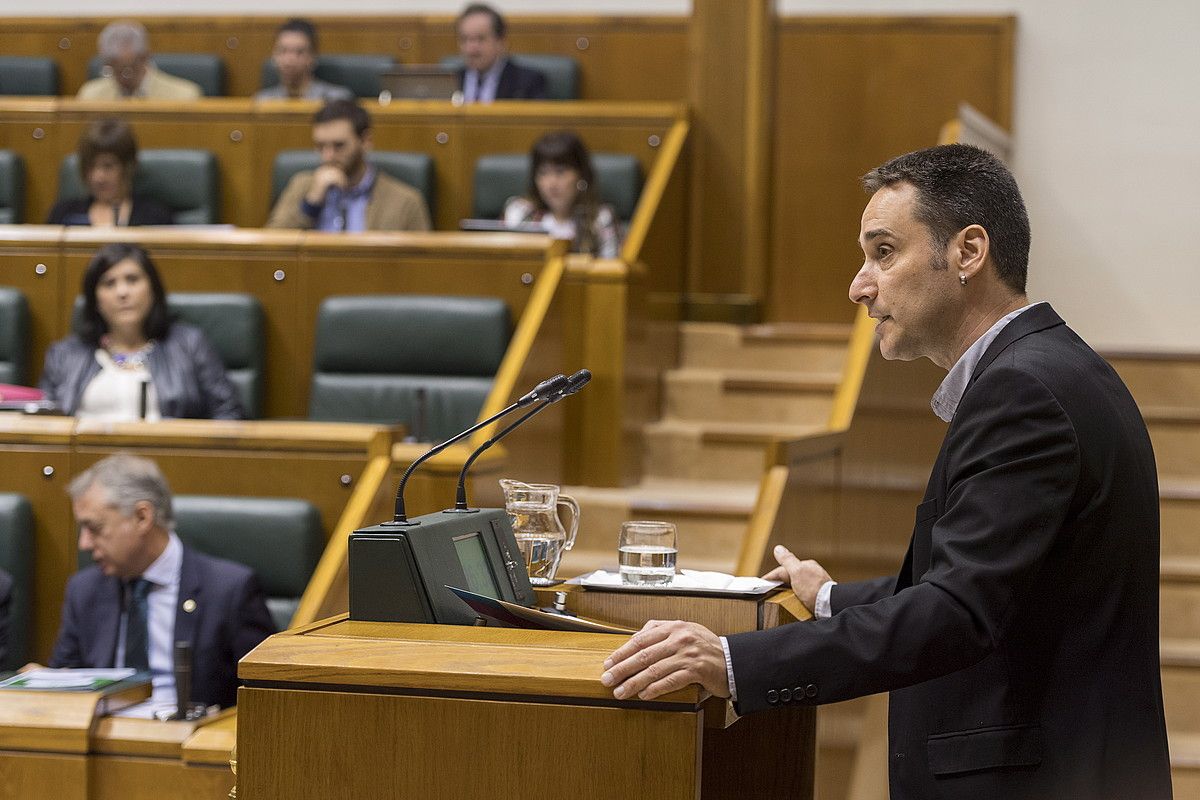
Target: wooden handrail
(315, 598)
(653, 191)
(523, 338)
(858, 353)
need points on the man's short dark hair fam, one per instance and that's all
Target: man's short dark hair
(345, 109)
(301, 26)
(499, 26)
(959, 185)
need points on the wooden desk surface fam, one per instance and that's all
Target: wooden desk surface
(444, 658)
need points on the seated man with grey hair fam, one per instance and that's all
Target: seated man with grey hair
(146, 590)
(129, 70)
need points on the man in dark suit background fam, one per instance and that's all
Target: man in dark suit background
(1019, 639)
(147, 591)
(489, 74)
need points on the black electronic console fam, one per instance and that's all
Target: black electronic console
(400, 574)
(400, 569)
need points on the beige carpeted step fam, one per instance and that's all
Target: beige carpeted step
(1179, 505)
(1181, 684)
(733, 451)
(710, 516)
(1185, 764)
(740, 395)
(1176, 439)
(784, 348)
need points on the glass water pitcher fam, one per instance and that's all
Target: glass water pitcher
(533, 509)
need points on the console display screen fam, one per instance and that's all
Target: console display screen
(473, 559)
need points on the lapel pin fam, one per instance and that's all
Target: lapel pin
(189, 606)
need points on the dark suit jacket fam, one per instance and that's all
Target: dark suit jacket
(188, 376)
(229, 619)
(516, 82)
(145, 211)
(5, 603)
(1020, 639)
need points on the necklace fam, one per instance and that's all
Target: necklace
(132, 361)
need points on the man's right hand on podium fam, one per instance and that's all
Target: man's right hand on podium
(805, 577)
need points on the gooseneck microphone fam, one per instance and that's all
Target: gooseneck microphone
(183, 679)
(546, 388)
(573, 385)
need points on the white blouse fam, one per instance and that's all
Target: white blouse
(115, 394)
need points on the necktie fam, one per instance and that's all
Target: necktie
(137, 637)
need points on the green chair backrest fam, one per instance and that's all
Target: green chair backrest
(415, 169)
(281, 539)
(233, 324)
(204, 69)
(16, 558)
(357, 72)
(28, 75)
(185, 181)
(14, 336)
(12, 187)
(501, 176)
(562, 72)
(425, 361)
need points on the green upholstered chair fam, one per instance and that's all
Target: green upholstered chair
(12, 187)
(562, 72)
(415, 169)
(376, 357)
(499, 177)
(281, 539)
(234, 325)
(185, 181)
(14, 335)
(28, 75)
(204, 69)
(357, 72)
(16, 558)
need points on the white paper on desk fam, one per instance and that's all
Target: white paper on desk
(67, 678)
(689, 579)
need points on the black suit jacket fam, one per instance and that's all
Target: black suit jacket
(228, 620)
(516, 82)
(1020, 639)
(145, 211)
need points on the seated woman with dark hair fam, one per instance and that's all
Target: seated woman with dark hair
(563, 197)
(128, 359)
(107, 161)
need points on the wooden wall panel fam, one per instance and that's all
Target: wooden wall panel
(849, 94)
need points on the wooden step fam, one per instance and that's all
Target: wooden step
(1179, 505)
(1161, 379)
(1179, 599)
(764, 347)
(1181, 684)
(732, 451)
(1176, 439)
(710, 517)
(1185, 763)
(761, 396)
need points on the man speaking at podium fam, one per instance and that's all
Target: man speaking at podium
(1019, 639)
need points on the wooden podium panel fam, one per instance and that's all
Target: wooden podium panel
(416, 711)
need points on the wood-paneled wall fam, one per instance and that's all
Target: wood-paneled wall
(616, 55)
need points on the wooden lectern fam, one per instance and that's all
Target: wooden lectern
(342, 708)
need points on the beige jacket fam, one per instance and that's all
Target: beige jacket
(394, 206)
(157, 85)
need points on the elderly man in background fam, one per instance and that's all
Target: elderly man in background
(129, 70)
(295, 58)
(489, 74)
(147, 590)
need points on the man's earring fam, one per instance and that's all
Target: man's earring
(962, 278)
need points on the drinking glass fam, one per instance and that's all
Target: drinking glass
(646, 552)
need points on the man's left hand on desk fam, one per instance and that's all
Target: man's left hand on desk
(664, 657)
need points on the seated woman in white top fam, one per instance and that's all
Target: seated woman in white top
(127, 358)
(564, 199)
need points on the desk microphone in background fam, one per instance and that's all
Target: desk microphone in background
(183, 679)
(573, 385)
(143, 397)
